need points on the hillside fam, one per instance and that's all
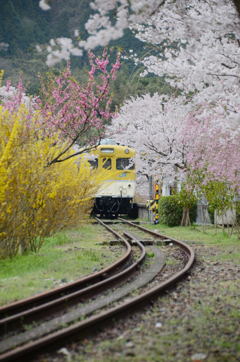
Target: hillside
(23, 25)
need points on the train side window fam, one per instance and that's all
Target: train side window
(107, 163)
(125, 164)
(93, 163)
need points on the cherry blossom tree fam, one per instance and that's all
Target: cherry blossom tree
(214, 143)
(176, 136)
(153, 125)
(171, 21)
(195, 46)
(100, 26)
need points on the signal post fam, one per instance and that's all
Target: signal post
(156, 202)
(153, 205)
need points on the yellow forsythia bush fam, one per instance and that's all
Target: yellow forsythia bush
(37, 200)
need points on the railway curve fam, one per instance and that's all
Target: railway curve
(25, 350)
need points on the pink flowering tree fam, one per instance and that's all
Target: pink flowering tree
(79, 112)
(214, 135)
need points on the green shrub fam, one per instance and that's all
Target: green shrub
(238, 212)
(170, 211)
(193, 213)
(211, 215)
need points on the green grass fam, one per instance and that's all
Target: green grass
(64, 257)
(209, 235)
(228, 246)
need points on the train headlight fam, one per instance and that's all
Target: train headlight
(126, 150)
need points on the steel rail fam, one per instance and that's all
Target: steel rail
(16, 319)
(31, 302)
(163, 238)
(31, 348)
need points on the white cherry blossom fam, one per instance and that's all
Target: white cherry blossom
(198, 44)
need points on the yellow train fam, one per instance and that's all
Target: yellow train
(116, 194)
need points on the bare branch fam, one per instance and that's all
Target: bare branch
(224, 75)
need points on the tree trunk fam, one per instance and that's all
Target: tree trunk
(185, 217)
(22, 247)
(237, 5)
(203, 218)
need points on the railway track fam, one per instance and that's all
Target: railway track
(59, 314)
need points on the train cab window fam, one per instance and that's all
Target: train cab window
(125, 164)
(107, 163)
(93, 163)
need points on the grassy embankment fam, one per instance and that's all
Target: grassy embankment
(64, 257)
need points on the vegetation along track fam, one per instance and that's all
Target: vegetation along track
(90, 294)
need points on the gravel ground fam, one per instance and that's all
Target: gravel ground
(197, 321)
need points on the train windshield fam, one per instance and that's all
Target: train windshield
(93, 163)
(107, 163)
(125, 164)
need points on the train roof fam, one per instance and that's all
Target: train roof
(110, 148)
(114, 149)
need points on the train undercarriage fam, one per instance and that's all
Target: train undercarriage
(112, 207)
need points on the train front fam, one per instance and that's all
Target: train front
(116, 194)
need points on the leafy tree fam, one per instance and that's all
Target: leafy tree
(219, 196)
(36, 200)
(187, 199)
